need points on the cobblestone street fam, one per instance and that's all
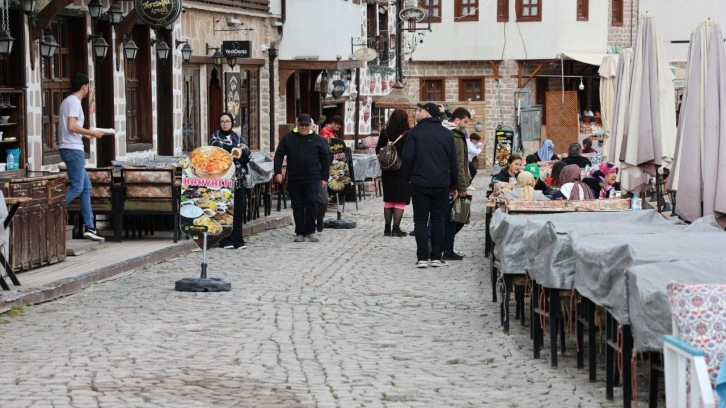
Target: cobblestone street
(346, 322)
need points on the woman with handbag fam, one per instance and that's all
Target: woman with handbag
(396, 194)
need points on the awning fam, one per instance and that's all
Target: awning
(592, 58)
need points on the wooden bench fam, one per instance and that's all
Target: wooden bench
(151, 192)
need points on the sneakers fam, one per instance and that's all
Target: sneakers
(458, 253)
(452, 256)
(299, 238)
(438, 263)
(312, 238)
(92, 233)
(227, 243)
(471, 188)
(422, 264)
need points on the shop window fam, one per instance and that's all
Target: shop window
(617, 12)
(529, 10)
(502, 11)
(138, 94)
(466, 10)
(471, 89)
(56, 81)
(432, 89)
(583, 10)
(435, 16)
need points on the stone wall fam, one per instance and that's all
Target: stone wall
(625, 35)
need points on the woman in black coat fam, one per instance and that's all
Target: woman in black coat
(396, 193)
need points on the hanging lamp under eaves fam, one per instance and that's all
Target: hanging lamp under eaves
(396, 99)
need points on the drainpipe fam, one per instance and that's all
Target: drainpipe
(272, 54)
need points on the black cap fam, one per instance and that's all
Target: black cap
(431, 108)
(305, 119)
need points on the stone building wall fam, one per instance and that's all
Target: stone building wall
(624, 36)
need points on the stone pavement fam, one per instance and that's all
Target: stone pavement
(345, 322)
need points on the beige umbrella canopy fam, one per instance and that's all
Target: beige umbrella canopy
(608, 70)
(699, 166)
(611, 150)
(396, 99)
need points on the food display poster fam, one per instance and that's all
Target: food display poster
(503, 140)
(207, 202)
(339, 177)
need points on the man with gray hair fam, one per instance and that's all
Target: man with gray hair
(574, 156)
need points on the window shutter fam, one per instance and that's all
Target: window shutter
(502, 10)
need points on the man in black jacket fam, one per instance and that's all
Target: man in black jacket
(308, 167)
(429, 164)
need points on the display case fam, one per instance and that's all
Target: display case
(591, 126)
(12, 108)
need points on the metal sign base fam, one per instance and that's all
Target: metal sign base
(339, 223)
(202, 284)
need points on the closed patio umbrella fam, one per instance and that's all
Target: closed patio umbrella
(699, 168)
(650, 137)
(607, 71)
(611, 150)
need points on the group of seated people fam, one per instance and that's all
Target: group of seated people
(565, 181)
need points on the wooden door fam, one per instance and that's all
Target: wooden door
(562, 122)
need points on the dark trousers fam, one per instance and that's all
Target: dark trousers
(429, 202)
(451, 228)
(304, 202)
(240, 213)
(472, 169)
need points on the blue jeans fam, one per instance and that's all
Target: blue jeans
(79, 183)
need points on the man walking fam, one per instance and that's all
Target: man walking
(459, 120)
(429, 164)
(71, 151)
(308, 167)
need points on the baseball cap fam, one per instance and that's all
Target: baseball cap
(532, 168)
(304, 119)
(431, 108)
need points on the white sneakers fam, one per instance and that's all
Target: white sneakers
(422, 264)
(436, 263)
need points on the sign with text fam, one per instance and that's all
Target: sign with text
(338, 88)
(158, 13)
(237, 49)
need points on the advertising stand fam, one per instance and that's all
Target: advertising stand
(339, 181)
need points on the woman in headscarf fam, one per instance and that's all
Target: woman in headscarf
(546, 152)
(602, 180)
(572, 188)
(229, 140)
(524, 189)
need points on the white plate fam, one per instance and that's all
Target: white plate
(230, 173)
(191, 211)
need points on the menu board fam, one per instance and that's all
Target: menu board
(503, 140)
(339, 177)
(207, 195)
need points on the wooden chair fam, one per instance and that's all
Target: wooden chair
(106, 199)
(151, 192)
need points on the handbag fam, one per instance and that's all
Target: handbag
(461, 209)
(388, 156)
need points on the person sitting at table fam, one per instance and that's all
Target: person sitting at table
(524, 189)
(572, 188)
(229, 140)
(539, 185)
(557, 167)
(546, 152)
(396, 193)
(510, 171)
(587, 146)
(574, 156)
(602, 180)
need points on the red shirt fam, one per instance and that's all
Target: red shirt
(327, 132)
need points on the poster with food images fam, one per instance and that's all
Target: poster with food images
(339, 177)
(207, 195)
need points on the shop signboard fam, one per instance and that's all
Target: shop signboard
(339, 166)
(207, 195)
(338, 88)
(237, 49)
(158, 13)
(503, 142)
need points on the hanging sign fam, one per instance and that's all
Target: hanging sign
(413, 13)
(158, 13)
(237, 49)
(338, 88)
(207, 195)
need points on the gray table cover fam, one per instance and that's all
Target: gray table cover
(261, 167)
(601, 261)
(366, 166)
(548, 243)
(648, 306)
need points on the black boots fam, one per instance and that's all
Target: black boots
(396, 232)
(387, 230)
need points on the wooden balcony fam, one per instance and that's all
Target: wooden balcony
(246, 5)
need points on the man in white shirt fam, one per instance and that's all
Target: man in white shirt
(71, 150)
(474, 146)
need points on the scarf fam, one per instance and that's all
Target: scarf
(545, 152)
(571, 174)
(525, 182)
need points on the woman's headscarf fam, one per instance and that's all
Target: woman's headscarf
(601, 174)
(571, 174)
(526, 182)
(231, 118)
(545, 152)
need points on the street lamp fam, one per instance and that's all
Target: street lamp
(48, 45)
(100, 46)
(162, 50)
(186, 50)
(130, 49)
(217, 56)
(28, 6)
(95, 9)
(115, 13)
